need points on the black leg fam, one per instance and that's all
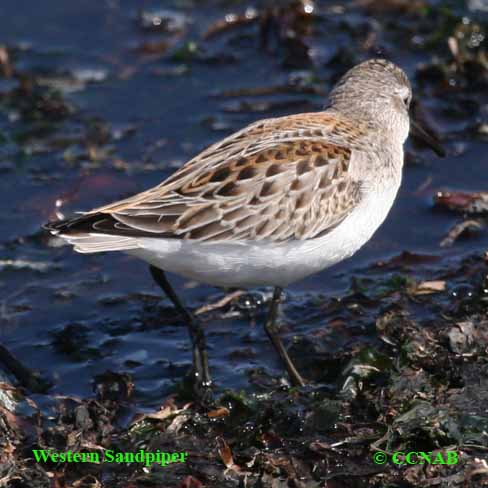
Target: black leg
(201, 371)
(272, 331)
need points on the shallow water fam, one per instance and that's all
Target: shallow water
(96, 304)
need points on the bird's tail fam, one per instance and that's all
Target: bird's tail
(91, 233)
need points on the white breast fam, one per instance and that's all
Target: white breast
(248, 264)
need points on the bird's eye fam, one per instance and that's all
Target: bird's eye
(406, 101)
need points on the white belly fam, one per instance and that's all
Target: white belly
(248, 264)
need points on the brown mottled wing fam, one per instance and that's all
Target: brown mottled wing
(260, 184)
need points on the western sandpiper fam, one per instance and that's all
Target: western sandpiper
(269, 205)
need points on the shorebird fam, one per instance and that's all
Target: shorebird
(277, 201)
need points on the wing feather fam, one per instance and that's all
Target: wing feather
(275, 180)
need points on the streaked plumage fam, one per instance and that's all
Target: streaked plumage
(279, 200)
(278, 187)
(254, 185)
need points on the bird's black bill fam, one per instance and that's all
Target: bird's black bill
(419, 133)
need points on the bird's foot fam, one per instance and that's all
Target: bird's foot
(195, 389)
